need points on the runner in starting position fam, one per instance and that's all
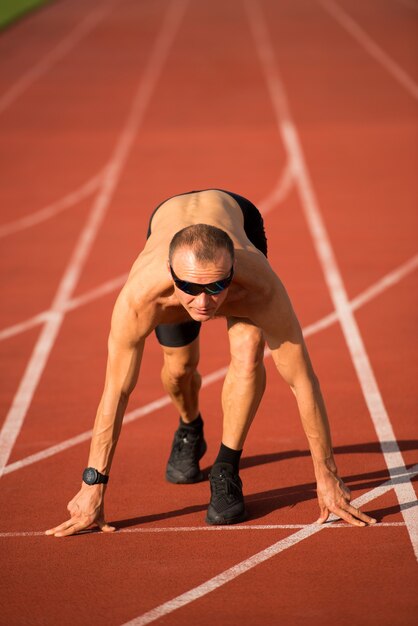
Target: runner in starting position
(206, 257)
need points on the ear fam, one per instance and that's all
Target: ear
(168, 269)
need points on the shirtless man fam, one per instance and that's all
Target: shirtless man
(205, 257)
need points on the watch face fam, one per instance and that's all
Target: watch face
(90, 476)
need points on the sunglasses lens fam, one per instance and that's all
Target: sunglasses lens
(194, 289)
(215, 288)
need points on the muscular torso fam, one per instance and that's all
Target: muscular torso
(149, 289)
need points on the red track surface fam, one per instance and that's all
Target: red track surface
(204, 118)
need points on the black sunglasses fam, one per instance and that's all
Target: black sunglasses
(194, 289)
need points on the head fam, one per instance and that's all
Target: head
(201, 254)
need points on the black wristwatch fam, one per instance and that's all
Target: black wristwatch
(93, 477)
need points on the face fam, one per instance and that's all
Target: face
(203, 306)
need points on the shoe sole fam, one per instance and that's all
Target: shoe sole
(177, 478)
(225, 522)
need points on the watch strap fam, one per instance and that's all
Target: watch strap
(92, 476)
(102, 478)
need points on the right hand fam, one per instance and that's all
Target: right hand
(334, 497)
(86, 509)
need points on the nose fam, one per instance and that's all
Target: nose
(202, 300)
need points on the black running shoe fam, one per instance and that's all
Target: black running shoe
(183, 464)
(227, 502)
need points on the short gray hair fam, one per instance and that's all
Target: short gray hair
(204, 240)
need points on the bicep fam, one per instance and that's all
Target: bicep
(123, 364)
(285, 339)
(125, 348)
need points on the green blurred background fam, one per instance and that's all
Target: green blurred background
(11, 10)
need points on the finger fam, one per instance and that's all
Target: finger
(347, 517)
(360, 515)
(106, 528)
(76, 527)
(61, 527)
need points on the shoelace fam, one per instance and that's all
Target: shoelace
(226, 484)
(183, 438)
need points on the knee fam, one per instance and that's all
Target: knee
(178, 371)
(247, 350)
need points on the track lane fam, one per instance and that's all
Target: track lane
(141, 553)
(332, 273)
(36, 365)
(386, 31)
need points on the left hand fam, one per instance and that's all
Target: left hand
(86, 509)
(334, 497)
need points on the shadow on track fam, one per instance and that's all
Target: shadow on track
(261, 504)
(357, 448)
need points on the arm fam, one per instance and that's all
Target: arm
(125, 348)
(284, 337)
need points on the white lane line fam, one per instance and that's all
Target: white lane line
(90, 296)
(192, 529)
(107, 287)
(45, 343)
(371, 46)
(277, 196)
(98, 292)
(380, 418)
(69, 200)
(22, 327)
(56, 54)
(385, 283)
(280, 191)
(243, 567)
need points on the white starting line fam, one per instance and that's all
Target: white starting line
(191, 529)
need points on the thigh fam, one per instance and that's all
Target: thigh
(182, 360)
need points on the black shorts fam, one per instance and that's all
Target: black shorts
(178, 335)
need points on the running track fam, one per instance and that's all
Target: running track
(309, 108)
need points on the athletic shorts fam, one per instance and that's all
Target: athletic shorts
(178, 335)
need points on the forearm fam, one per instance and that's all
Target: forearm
(315, 423)
(106, 431)
(292, 361)
(121, 376)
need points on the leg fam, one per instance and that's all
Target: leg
(181, 379)
(243, 389)
(244, 383)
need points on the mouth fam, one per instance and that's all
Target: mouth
(204, 312)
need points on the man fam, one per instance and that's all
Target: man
(205, 257)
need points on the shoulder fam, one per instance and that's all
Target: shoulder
(272, 307)
(254, 272)
(136, 308)
(277, 316)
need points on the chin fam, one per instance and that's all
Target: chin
(202, 317)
